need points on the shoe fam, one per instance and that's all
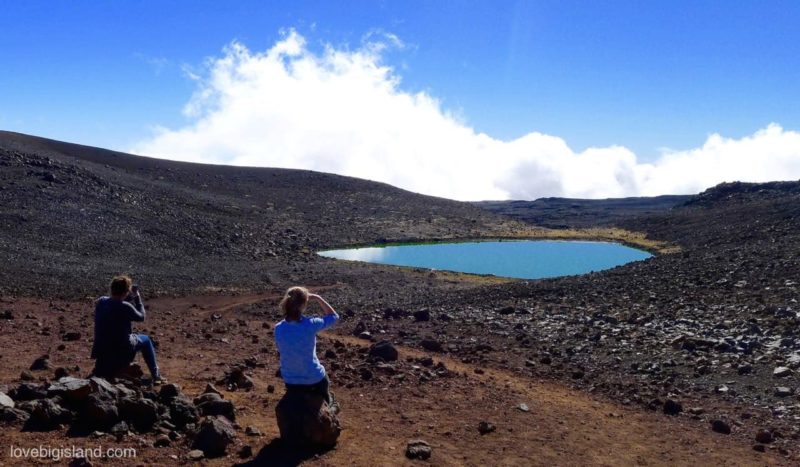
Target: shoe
(159, 380)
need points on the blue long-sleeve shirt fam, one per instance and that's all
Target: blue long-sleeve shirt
(113, 335)
(297, 344)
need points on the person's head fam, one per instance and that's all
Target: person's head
(121, 286)
(294, 303)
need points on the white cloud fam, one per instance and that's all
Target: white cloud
(343, 111)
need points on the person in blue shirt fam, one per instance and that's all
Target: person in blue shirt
(115, 345)
(296, 338)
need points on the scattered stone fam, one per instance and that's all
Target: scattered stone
(236, 378)
(720, 426)
(672, 407)
(162, 441)
(523, 407)
(781, 372)
(759, 448)
(169, 392)
(764, 436)
(71, 336)
(26, 375)
(47, 414)
(6, 401)
(384, 350)
(486, 427)
(7, 314)
(270, 388)
(216, 407)
(506, 310)
(422, 315)
(61, 372)
(431, 345)
(41, 363)
(418, 449)
(246, 451)
(252, 431)
(783, 391)
(214, 436)
(195, 455)
(210, 389)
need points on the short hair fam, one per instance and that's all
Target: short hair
(293, 303)
(121, 285)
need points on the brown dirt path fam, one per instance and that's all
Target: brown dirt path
(563, 426)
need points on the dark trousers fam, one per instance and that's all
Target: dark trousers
(321, 388)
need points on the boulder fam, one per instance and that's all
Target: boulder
(422, 315)
(41, 363)
(383, 350)
(214, 436)
(431, 345)
(418, 449)
(75, 391)
(182, 412)
(307, 420)
(10, 415)
(141, 413)
(47, 414)
(217, 406)
(6, 401)
(100, 413)
(29, 392)
(169, 392)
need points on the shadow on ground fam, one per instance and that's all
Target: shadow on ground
(281, 454)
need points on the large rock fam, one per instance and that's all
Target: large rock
(141, 413)
(214, 436)
(9, 415)
(307, 420)
(418, 449)
(100, 413)
(211, 404)
(383, 350)
(47, 414)
(6, 401)
(182, 412)
(29, 392)
(75, 391)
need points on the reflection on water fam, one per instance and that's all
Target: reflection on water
(368, 255)
(524, 259)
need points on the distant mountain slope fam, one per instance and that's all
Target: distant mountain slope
(73, 213)
(570, 212)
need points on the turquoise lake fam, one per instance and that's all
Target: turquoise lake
(522, 259)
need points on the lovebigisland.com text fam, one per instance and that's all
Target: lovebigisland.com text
(59, 453)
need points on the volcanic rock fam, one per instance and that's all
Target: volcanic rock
(47, 414)
(764, 436)
(672, 407)
(431, 345)
(422, 315)
(781, 372)
(486, 427)
(141, 413)
(307, 420)
(383, 350)
(720, 426)
(100, 413)
(6, 401)
(214, 436)
(41, 363)
(418, 449)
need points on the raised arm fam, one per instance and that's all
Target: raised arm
(136, 307)
(329, 314)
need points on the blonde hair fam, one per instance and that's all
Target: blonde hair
(293, 303)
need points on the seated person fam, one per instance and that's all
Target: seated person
(115, 345)
(296, 338)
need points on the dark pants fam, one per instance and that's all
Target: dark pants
(321, 388)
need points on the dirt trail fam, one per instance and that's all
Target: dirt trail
(201, 336)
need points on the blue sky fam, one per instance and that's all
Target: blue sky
(646, 75)
(640, 74)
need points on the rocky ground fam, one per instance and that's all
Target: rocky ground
(458, 413)
(652, 362)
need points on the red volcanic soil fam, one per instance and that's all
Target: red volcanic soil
(200, 337)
